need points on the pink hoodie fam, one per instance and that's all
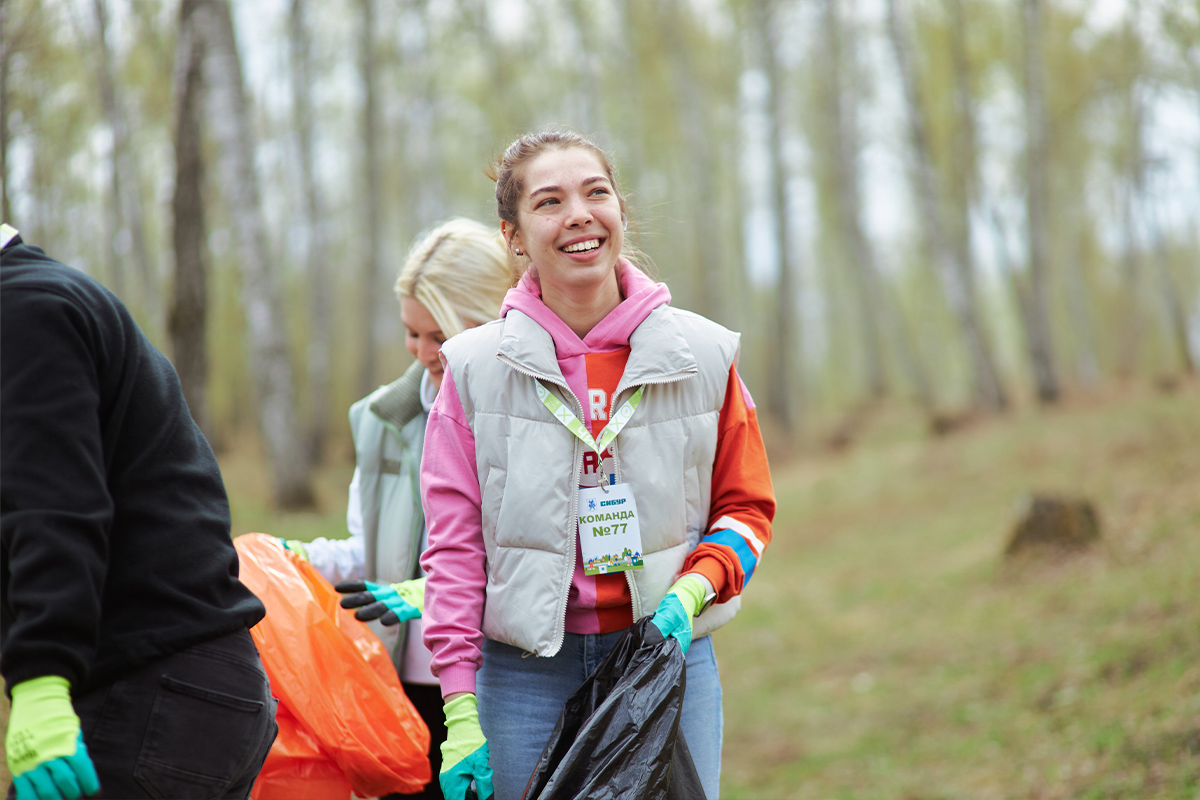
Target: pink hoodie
(455, 557)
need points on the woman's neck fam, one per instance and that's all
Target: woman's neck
(583, 308)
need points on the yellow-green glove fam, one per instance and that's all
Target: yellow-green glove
(296, 546)
(465, 752)
(391, 604)
(674, 614)
(46, 754)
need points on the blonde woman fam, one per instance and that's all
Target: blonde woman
(454, 278)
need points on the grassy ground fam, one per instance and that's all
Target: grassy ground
(885, 650)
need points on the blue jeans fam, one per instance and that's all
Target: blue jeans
(521, 698)
(196, 724)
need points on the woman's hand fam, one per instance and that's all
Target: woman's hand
(391, 604)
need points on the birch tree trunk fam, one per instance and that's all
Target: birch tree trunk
(1040, 341)
(957, 276)
(6, 51)
(877, 309)
(1087, 366)
(701, 202)
(370, 274)
(265, 330)
(784, 392)
(1130, 345)
(317, 253)
(846, 170)
(187, 321)
(1173, 315)
(125, 202)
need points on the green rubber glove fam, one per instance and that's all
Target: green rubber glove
(391, 604)
(674, 614)
(296, 546)
(465, 752)
(46, 754)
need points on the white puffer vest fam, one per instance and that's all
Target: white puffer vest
(529, 464)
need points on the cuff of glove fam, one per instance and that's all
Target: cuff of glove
(412, 592)
(47, 686)
(694, 592)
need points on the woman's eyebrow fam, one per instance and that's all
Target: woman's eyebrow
(585, 182)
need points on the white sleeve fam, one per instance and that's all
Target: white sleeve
(342, 559)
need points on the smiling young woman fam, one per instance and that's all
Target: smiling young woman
(590, 388)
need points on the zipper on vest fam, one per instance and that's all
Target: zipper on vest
(560, 633)
(634, 595)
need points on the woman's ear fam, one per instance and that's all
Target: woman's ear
(512, 237)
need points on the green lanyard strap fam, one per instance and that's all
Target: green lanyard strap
(564, 415)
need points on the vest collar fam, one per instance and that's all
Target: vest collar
(659, 352)
(399, 402)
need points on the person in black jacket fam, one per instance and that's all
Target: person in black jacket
(124, 630)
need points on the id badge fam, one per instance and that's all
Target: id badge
(609, 537)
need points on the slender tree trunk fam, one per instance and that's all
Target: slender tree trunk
(266, 333)
(316, 256)
(1087, 366)
(371, 270)
(784, 390)
(1130, 345)
(1005, 260)
(1037, 206)
(6, 50)
(1173, 315)
(125, 203)
(114, 265)
(188, 317)
(695, 132)
(845, 156)
(956, 276)
(879, 311)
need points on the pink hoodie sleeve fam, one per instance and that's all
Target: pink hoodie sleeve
(454, 589)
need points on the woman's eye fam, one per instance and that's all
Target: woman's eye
(599, 190)
(546, 201)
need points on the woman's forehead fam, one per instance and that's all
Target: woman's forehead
(562, 168)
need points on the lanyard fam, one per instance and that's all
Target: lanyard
(564, 415)
(7, 234)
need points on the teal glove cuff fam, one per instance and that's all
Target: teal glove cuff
(674, 614)
(465, 752)
(391, 604)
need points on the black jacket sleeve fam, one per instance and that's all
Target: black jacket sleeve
(57, 508)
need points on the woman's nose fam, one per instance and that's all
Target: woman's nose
(577, 212)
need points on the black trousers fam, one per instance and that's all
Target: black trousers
(197, 724)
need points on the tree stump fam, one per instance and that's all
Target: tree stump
(1053, 525)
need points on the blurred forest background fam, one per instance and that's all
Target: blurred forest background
(961, 239)
(964, 205)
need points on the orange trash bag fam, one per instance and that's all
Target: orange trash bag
(345, 723)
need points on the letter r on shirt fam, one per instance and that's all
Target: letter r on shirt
(598, 399)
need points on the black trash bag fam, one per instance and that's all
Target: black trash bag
(619, 735)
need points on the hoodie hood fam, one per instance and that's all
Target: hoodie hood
(642, 295)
